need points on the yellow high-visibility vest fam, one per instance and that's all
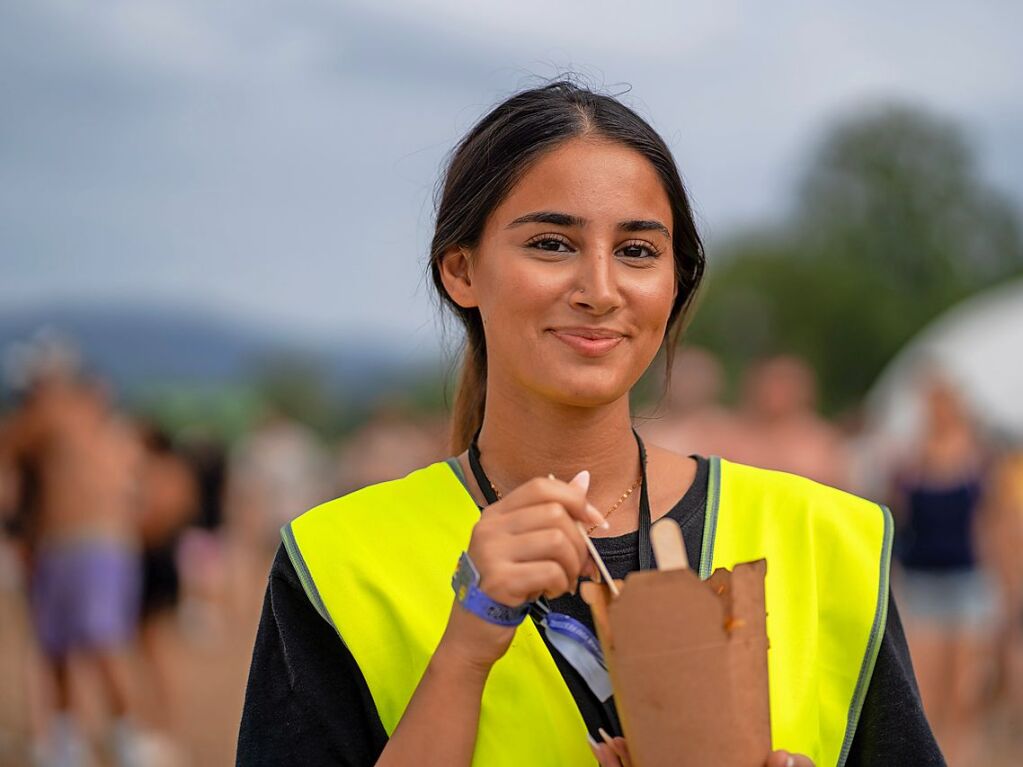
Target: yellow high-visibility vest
(377, 565)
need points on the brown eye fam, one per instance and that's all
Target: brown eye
(549, 244)
(639, 250)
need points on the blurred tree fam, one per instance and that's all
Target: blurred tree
(892, 224)
(296, 385)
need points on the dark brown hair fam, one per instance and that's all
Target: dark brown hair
(484, 167)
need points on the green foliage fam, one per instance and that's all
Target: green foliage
(295, 385)
(220, 412)
(891, 226)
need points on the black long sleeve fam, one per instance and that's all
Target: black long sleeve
(893, 728)
(306, 702)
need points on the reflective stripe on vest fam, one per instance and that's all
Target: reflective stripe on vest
(377, 565)
(828, 556)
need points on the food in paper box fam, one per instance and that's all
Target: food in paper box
(688, 664)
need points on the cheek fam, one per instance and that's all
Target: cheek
(653, 302)
(523, 295)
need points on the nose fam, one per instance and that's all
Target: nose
(596, 283)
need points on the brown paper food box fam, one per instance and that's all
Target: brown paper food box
(688, 664)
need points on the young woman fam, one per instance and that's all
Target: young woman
(566, 246)
(946, 544)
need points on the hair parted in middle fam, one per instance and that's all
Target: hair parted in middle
(485, 165)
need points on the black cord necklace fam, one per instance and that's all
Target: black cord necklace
(646, 552)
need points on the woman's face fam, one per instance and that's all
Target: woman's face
(574, 275)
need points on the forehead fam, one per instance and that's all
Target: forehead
(602, 181)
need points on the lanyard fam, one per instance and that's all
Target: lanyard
(573, 640)
(646, 551)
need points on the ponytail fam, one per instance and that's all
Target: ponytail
(470, 396)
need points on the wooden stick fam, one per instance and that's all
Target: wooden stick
(669, 548)
(596, 558)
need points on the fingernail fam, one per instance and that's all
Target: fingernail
(605, 736)
(790, 762)
(582, 479)
(591, 741)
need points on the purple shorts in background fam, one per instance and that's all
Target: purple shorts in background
(85, 596)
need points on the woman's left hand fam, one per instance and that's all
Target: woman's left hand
(613, 753)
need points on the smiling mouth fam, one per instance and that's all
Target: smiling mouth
(588, 347)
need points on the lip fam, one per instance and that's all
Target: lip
(588, 342)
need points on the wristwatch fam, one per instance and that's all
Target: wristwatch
(466, 582)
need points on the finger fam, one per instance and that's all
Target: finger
(617, 746)
(536, 517)
(543, 490)
(530, 578)
(550, 543)
(605, 756)
(546, 516)
(786, 759)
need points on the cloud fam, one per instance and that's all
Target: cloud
(277, 160)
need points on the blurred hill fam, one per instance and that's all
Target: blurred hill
(139, 348)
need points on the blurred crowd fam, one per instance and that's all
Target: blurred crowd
(133, 561)
(956, 494)
(124, 546)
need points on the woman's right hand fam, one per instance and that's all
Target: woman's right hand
(525, 545)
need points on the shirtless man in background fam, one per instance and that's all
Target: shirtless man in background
(691, 419)
(81, 539)
(779, 427)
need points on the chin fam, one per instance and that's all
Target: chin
(595, 389)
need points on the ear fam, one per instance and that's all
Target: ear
(455, 273)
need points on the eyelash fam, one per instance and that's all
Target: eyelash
(655, 252)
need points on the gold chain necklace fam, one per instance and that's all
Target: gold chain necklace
(607, 514)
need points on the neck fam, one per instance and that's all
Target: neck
(522, 438)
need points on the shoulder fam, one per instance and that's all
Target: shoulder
(379, 496)
(426, 504)
(799, 498)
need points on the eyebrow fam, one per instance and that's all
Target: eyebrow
(567, 219)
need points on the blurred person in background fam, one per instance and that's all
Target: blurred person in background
(83, 546)
(938, 503)
(391, 443)
(169, 503)
(1005, 505)
(695, 421)
(20, 706)
(274, 472)
(204, 570)
(778, 426)
(206, 454)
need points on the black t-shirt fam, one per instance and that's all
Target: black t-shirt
(308, 703)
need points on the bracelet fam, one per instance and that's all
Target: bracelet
(468, 594)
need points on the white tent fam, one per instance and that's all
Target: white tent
(978, 344)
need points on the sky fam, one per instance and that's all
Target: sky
(274, 163)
